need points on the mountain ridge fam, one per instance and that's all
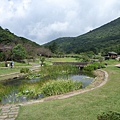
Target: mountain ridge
(102, 39)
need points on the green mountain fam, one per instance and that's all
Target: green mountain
(103, 39)
(8, 40)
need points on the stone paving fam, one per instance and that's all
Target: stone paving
(9, 112)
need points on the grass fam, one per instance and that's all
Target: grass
(17, 64)
(80, 107)
(7, 72)
(63, 59)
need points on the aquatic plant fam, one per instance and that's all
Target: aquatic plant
(4, 90)
(29, 90)
(59, 87)
(58, 69)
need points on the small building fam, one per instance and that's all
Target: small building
(112, 55)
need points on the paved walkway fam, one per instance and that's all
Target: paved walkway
(9, 112)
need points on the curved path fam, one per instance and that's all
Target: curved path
(10, 112)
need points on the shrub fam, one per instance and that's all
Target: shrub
(59, 87)
(109, 116)
(24, 70)
(94, 66)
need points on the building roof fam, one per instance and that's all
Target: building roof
(114, 53)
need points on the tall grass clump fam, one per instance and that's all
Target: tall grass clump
(57, 70)
(4, 90)
(59, 87)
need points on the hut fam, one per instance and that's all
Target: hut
(112, 55)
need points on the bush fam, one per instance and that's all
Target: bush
(109, 116)
(59, 87)
(24, 70)
(94, 66)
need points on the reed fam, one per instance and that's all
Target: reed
(4, 90)
(58, 69)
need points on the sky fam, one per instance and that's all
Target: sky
(45, 20)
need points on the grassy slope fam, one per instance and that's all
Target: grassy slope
(81, 107)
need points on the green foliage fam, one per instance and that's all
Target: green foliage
(109, 116)
(42, 60)
(9, 40)
(1, 56)
(53, 47)
(3, 91)
(32, 90)
(19, 52)
(24, 70)
(59, 87)
(94, 66)
(29, 90)
(57, 70)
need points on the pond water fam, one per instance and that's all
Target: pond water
(13, 98)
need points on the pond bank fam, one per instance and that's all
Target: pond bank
(100, 80)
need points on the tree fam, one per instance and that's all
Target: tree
(42, 59)
(53, 47)
(19, 52)
(1, 56)
(7, 55)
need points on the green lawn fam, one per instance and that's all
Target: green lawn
(7, 72)
(80, 107)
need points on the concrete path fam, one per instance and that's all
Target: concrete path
(9, 112)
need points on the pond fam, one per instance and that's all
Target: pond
(13, 98)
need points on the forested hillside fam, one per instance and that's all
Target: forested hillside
(8, 41)
(103, 39)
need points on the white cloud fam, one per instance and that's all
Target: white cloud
(45, 20)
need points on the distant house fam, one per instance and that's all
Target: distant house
(112, 55)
